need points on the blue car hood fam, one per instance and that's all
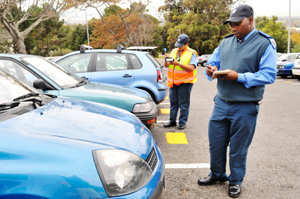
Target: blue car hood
(76, 120)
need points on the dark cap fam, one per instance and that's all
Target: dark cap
(239, 13)
(181, 40)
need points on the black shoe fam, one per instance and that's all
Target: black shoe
(234, 190)
(210, 181)
(181, 127)
(169, 124)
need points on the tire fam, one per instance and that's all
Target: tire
(283, 76)
(204, 64)
(298, 77)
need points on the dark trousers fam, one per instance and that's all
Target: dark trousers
(180, 98)
(233, 125)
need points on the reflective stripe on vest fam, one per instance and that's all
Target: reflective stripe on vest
(177, 75)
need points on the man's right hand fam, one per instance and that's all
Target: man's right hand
(210, 70)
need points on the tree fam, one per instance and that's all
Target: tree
(201, 20)
(122, 25)
(129, 26)
(296, 49)
(42, 35)
(13, 13)
(275, 29)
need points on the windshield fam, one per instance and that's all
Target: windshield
(10, 88)
(287, 57)
(60, 76)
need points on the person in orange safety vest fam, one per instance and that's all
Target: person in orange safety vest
(182, 74)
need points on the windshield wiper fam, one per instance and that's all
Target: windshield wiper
(26, 96)
(38, 101)
(8, 105)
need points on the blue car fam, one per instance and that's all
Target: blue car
(285, 64)
(284, 69)
(123, 67)
(49, 77)
(65, 148)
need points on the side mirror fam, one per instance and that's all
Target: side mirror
(41, 84)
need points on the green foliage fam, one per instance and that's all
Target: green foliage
(200, 20)
(74, 37)
(296, 49)
(275, 29)
(111, 10)
(59, 53)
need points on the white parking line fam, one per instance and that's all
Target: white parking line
(164, 103)
(188, 166)
(295, 84)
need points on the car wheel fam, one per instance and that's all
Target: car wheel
(204, 64)
(298, 77)
(283, 76)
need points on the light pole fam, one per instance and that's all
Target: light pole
(289, 28)
(87, 27)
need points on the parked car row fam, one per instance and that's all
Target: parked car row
(285, 64)
(50, 78)
(62, 143)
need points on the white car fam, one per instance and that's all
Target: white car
(287, 57)
(296, 68)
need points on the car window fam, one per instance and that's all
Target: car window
(76, 63)
(16, 70)
(111, 61)
(292, 57)
(136, 64)
(154, 61)
(53, 71)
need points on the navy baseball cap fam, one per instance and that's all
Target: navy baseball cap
(181, 40)
(239, 13)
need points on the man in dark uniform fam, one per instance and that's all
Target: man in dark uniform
(250, 55)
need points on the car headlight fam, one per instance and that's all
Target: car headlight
(121, 172)
(145, 107)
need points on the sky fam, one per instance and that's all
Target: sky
(267, 8)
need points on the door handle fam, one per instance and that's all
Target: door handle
(126, 75)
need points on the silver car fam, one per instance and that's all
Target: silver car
(203, 59)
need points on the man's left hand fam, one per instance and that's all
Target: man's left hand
(232, 76)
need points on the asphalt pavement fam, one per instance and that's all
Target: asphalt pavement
(273, 158)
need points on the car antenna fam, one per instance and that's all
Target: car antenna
(120, 48)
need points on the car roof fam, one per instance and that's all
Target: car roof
(110, 51)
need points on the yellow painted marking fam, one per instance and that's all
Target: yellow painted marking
(176, 138)
(287, 82)
(167, 97)
(165, 111)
